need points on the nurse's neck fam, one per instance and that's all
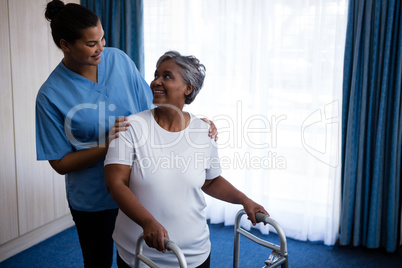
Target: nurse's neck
(90, 72)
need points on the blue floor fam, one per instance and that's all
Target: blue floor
(62, 250)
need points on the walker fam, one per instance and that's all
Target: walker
(169, 245)
(279, 255)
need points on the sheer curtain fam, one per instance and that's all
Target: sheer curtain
(273, 89)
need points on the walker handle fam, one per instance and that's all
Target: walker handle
(261, 217)
(170, 245)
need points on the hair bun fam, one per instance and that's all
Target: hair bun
(53, 7)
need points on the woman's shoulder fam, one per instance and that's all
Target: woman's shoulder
(198, 122)
(139, 123)
(198, 125)
(117, 60)
(112, 52)
(141, 116)
(52, 85)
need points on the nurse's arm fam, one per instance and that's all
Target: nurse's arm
(116, 179)
(79, 160)
(221, 189)
(83, 159)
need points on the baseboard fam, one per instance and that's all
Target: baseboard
(34, 237)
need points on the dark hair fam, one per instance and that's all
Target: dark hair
(193, 71)
(68, 21)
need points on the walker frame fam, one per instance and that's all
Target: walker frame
(279, 254)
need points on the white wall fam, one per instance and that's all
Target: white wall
(33, 205)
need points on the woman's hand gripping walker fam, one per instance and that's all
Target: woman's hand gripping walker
(169, 245)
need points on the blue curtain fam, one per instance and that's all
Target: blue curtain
(122, 21)
(372, 125)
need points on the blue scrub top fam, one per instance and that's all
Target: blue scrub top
(74, 113)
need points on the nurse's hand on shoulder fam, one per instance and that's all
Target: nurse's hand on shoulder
(120, 124)
(154, 235)
(213, 131)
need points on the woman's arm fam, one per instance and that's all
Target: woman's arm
(116, 179)
(224, 190)
(79, 160)
(85, 158)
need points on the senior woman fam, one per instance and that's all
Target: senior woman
(157, 170)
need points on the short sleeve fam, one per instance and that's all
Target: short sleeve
(121, 150)
(51, 141)
(214, 169)
(144, 93)
(138, 89)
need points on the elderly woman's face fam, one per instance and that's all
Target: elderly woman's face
(168, 86)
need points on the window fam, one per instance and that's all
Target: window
(273, 88)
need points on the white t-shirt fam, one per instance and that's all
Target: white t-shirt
(168, 171)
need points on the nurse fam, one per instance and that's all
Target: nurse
(89, 93)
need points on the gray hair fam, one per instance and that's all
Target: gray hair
(193, 71)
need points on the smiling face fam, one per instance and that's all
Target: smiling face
(168, 86)
(86, 50)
